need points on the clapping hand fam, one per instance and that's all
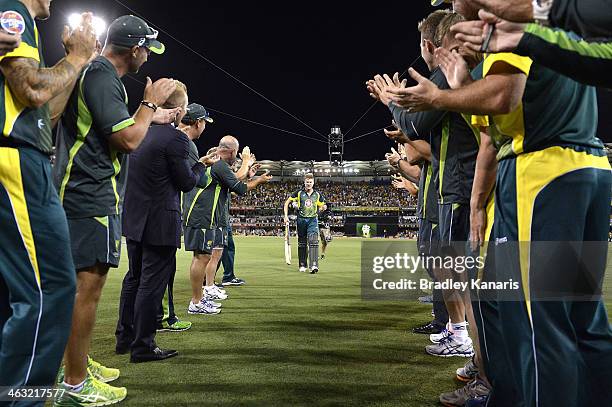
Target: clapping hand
(253, 170)
(393, 157)
(416, 98)
(210, 159)
(454, 67)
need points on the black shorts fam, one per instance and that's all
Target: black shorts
(95, 241)
(454, 227)
(205, 240)
(428, 239)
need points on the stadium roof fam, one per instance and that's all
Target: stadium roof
(324, 168)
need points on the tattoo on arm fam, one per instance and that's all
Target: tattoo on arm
(34, 86)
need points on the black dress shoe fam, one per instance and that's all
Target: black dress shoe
(153, 355)
(428, 329)
(120, 350)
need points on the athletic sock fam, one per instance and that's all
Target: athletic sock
(460, 330)
(76, 388)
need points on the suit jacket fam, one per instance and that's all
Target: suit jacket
(158, 172)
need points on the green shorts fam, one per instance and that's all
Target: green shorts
(95, 241)
(205, 240)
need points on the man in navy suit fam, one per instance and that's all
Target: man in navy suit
(159, 171)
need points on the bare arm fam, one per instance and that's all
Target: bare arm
(255, 182)
(57, 104)
(500, 92)
(412, 172)
(34, 86)
(496, 94)
(484, 181)
(129, 138)
(417, 151)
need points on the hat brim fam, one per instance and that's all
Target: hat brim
(209, 119)
(156, 47)
(437, 3)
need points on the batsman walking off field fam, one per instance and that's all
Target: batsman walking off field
(308, 203)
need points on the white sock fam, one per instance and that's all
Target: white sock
(460, 330)
(74, 388)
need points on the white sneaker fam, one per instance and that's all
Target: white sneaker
(468, 372)
(436, 338)
(452, 346)
(303, 269)
(204, 301)
(219, 289)
(204, 309)
(214, 293)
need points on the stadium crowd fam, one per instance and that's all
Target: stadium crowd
(339, 194)
(493, 139)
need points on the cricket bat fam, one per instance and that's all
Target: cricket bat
(287, 245)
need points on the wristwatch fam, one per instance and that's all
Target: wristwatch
(150, 105)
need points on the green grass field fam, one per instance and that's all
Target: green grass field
(284, 339)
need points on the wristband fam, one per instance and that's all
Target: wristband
(150, 105)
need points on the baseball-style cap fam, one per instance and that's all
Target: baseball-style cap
(130, 31)
(436, 3)
(196, 112)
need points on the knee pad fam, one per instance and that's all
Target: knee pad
(313, 239)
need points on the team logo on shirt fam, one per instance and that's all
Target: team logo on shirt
(12, 22)
(308, 203)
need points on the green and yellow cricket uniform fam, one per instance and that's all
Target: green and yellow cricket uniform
(552, 194)
(37, 281)
(205, 210)
(308, 226)
(89, 174)
(427, 210)
(454, 148)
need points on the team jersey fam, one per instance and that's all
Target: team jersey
(554, 111)
(208, 207)
(454, 145)
(21, 124)
(307, 205)
(427, 193)
(88, 171)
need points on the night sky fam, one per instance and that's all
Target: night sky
(310, 58)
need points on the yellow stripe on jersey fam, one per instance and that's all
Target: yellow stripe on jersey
(84, 123)
(534, 171)
(12, 110)
(11, 180)
(195, 199)
(116, 170)
(479, 121)
(523, 64)
(23, 51)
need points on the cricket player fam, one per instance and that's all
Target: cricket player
(97, 133)
(309, 202)
(37, 281)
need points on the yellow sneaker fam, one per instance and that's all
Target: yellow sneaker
(93, 394)
(101, 373)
